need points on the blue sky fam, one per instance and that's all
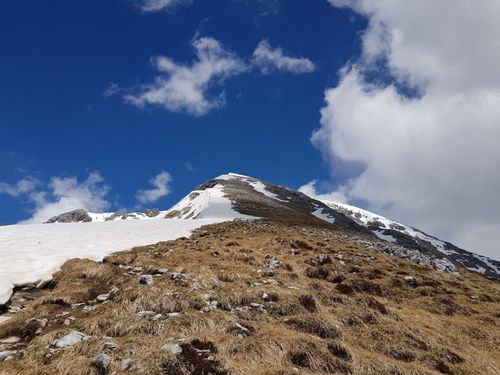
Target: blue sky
(59, 58)
(124, 104)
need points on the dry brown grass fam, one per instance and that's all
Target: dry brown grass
(299, 316)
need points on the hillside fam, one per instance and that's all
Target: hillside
(248, 278)
(257, 298)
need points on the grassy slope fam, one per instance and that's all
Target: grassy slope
(311, 322)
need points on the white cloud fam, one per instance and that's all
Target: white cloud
(269, 59)
(67, 194)
(161, 188)
(159, 5)
(186, 88)
(310, 189)
(112, 90)
(430, 161)
(23, 186)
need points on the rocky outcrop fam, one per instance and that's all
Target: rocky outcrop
(75, 216)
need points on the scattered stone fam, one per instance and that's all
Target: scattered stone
(110, 345)
(10, 340)
(125, 364)
(240, 330)
(147, 313)
(102, 297)
(172, 348)
(102, 361)
(42, 323)
(74, 337)
(321, 260)
(146, 279)
(272, 262)
(271, 282)
(151, 212)
(410, 280)
(7, 355)
(69, 320)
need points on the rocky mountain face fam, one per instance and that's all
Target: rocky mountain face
(82, 216)
(257, 198)
(238, 196)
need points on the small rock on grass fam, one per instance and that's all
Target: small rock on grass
(146, 279)
(7, 354)
(102, 361)
(172, 348)
(70, 339)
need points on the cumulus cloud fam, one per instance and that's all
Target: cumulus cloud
(269, 59)
(430, 160)
(186, 88)
(159, 5)
(160, 189)
(66, 194)
(23, 186)
(311, 190)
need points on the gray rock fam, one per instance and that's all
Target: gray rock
(72, 338)
(151, 212)
(75, 216)
(111, 345)
(102, 361)
(145, 313)
(125, 364)
(102, 297)
(10, 340)
(146, 279)
(7, 354)
(172, 348)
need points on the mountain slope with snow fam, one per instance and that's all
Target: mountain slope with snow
(31, 253)
(257, 198)
(405, 235)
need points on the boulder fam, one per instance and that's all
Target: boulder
(75, 216)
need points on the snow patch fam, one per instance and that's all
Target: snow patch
(364, 218)
(207, 204)
(321, 215)
(33, 252)
(385, 237)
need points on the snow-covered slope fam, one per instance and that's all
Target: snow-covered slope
(206, 203)
(32, 253)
